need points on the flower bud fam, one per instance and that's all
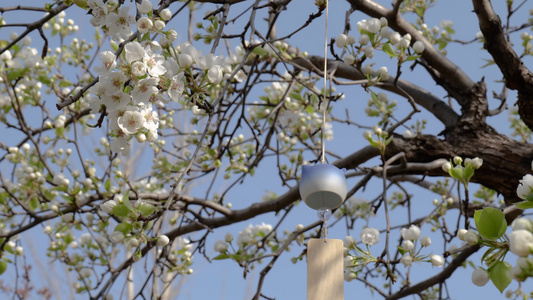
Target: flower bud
(348, 241)
(471, 237)
(446, 167)
(340, 41)
(408, 245)
(229, 237)
(425, 241)
(419, 47)
(116, 237)
(221, 246)
(521, 242)
(162, 240)
(165, 14)
(437, 260)
(480, 277)
(406, 260)
(411, 234)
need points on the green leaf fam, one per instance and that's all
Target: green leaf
(260, 51)
(500, 275)
(468, 172)
(121, 210)
(477, 213)
(524, 205)
(65, 83)
(457, 172)
(124, 227)
(486, 254)
(529, 197)
(107, 185)
(3, 267)
(45, 79)
(146, 209)
(221, 256)
(412, 57)
(491, 223)
(387, 48)
(34, 203)
(401, 250)
(126, 200)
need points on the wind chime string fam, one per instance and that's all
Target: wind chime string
(324, 110)
(325, 98)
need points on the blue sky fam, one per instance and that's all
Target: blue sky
(223, 279)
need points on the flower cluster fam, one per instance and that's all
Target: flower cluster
(381, 141)
(409, 250)
(354, 262)
(252, 242)
(355, 208)
(375, 34)
(460, 172)
(521, 244)
(379, 105)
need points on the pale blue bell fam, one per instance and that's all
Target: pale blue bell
(323, 186)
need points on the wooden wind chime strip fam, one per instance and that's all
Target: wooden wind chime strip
(325, 270)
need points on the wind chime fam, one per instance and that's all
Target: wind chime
(323, 188)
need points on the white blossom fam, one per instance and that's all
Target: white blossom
(480, 277)
(373, 25)
(165, 14)
(162, 240)
(383, 73)
(522, 223)
(144, 90)
(419, 47)
(108, 60)
(144, 25)
(386, 32)
(406, 260)
(145, 7)
(412, 233)
(340, 41)
(131, 121)
(134, 51)
(446, 167)
(349, 241)
(425, 241)
(221, 246)
(476, 162)
(176, 87)
(437, 260)
(349, 59)
(154, 63)
(521, 242)
(214, 75)
(394, 38)
(408, 134)
(369, 51)
(228, 237)
(370, 236)
(525, 187)
(470, 237)
(116, 237)
(107, 206)
(407, 245)
(364, 39)
(60, 180)
(119, 24)
(48, 229)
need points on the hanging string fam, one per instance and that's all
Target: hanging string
(325, 230)
(325, 99)
(324, 108)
